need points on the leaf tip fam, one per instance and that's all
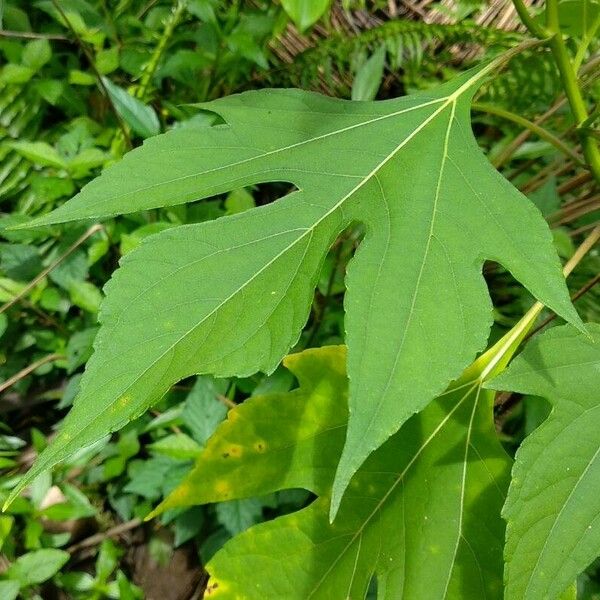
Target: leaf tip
(339, 487)
(575, 320)
(14, 494)
(154, 513)
(33, 223)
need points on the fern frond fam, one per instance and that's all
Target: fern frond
(529, 84)
(409, 45)
(19, 118)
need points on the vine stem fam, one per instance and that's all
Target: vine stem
(531, 126)
(150, 67)
(511, 148)
(29, 35)
(532, 25)
(575, 98)
(98, 538)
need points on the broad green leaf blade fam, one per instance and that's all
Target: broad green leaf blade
(422, 514)
(230, 297)
(554, 501)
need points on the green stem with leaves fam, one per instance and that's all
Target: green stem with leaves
(494, 361)
(150, 67)
(552, 35)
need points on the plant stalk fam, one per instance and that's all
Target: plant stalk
(28, 370)
(542, 133)
(494, 360)
(576, 102)
(93, 229)
(552, 35)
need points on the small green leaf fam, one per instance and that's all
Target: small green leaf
(74, 269)
(107, 560)
(6, 524)
(20, 261)
(3, 323)
(107, 61)
(9, 289)
(36, 54)
(368, 77)
(141, 118)
(554, 500)
(132, 240)
(188, 525)
(9, 590)
(37, 566)
(305, 13)
(39, 153)
(86, 160)
(80, 348)
(16, 74)
(238, 515)
(238, 201)
(50, 89)
(77, 77)
(202, 410)
(177, 445)
(85, 295)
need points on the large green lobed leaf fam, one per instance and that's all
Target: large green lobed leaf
(230, 297)
(553, 506)
(422, 514)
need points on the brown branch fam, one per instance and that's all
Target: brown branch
(30, 35)
(28, 370)
(98, 538)
(93, 229)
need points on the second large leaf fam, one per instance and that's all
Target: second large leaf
(230, 297)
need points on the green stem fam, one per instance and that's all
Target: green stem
(150, 67)
(494, 360)
(552, 22)
(576, 102)
(532, 25)
(573, 93)
(527, 124)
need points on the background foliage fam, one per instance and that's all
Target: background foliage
(83, 81)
